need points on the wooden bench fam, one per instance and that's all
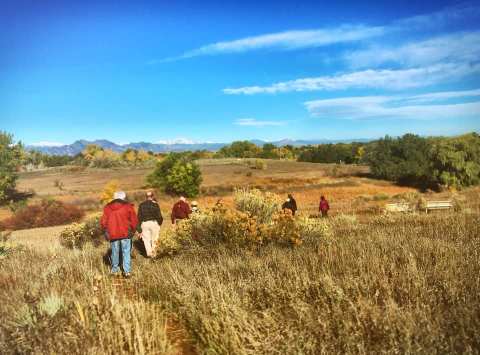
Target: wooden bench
(397, 207)
(438, 205)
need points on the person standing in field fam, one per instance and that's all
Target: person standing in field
(180, 210)
(324, 206)
(149, 221)
(290, 204)
(119, 221)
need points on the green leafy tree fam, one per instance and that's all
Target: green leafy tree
(240, 149)
(184, 178)
(405, 160)
(177, 174)
(456, 161)
(269, 151)
(10, 159)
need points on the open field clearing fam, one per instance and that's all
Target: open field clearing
(342, 184)
(395, 284)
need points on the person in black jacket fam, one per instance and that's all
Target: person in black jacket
(290, 204)
(149, 221)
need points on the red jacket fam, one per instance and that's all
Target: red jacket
(119, 219)
(180, 210)
(323, 205)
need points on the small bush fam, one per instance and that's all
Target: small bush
(459, 202)
(380, 197)
(314, 228)
(284, 230)
(421, 203)
(257, 164)
(50, 305)
(78, 234)
(168, 243)
(44, 214)
(262, 205)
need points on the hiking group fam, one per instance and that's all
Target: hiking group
(121, 223)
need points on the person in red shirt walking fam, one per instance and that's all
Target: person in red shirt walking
(180, 210)
(324, 206)
(119, 221)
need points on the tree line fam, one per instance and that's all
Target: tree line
(424, 162)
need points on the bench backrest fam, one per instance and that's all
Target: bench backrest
(439, 204)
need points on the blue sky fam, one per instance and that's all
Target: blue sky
(218, 71)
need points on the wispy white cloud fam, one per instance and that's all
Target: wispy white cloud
(285, 40)
(438, 19)
(379, 79)
(462, 47)
(257, 123)
(430, 106)
(47, 144)
(297, 39)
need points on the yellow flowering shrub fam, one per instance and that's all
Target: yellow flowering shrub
(261, 205)
(77, 234)
(219, 225)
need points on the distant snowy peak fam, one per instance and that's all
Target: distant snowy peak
(177, 141)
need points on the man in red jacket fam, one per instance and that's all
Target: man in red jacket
(180, 210)
(324, 206)
(119, 221)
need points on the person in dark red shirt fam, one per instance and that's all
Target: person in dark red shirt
(324, 206)
(180, 210)
(119, 221)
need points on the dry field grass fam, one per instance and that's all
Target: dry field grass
(406, 284)
(389, 284)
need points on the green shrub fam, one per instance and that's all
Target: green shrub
(262, 205)
(177, 174)
(257, 164)
(380, 197)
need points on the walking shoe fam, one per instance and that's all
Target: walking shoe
(127, 275)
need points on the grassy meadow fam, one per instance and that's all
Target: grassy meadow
(393, 284)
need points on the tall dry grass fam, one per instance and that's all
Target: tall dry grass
(66, 304)
(392, 284)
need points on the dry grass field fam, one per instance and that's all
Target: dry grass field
(379, 284)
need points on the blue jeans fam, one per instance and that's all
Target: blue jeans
(125, 245)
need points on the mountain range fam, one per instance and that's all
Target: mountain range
(175, 146)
